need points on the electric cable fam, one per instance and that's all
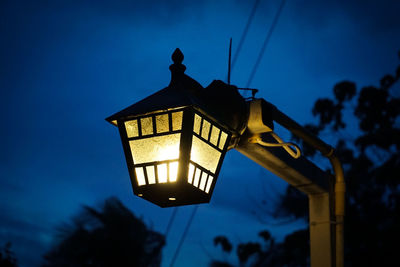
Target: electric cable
(296, 153)
(287, 145)
(170, 222)
(267, 38)
(244, 34)
(183, 236)
(236, 55)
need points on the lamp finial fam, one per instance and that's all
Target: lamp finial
(177, 58)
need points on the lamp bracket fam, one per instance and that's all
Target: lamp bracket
(260, 117)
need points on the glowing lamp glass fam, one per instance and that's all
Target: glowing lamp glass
(173, 156)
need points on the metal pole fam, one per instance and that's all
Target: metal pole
(340, 187)
(302, 174)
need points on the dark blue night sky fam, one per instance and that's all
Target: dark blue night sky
(67, 65)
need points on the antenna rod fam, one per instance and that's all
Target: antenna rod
(229, 62)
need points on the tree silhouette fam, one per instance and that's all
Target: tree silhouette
(7, 257)
(111, 236)
(371, 162)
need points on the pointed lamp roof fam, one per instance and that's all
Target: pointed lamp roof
(184, 91)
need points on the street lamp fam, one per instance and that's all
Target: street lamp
(175, 140)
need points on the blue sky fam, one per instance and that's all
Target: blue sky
(67, 65)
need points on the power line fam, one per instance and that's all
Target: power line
(183, 236)
(244, 34)
(267, 38)
(171, 220)
(240, 45)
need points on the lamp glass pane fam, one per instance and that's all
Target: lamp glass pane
(147, 125)
(191, 172)
(132, 128)
(209, 182)
(203, 181)
(205, 129)
(222, 140)
(151, 175)
(204, 154)
(214, 135)
(162, 173)
(162, 123)
(197, 177)
(197, 123)
(140, 176)
(173, 171)
(177, 120)
(157, 148)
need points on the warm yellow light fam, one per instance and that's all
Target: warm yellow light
(177, 120)
(147, 125)
(214, 135)
(222, 141)
(210, 179)
(205, 131)
(157, 148)
(191, 172)
(154, 143)
(132, 128)
(162, 173)
(197, 177)
(203, 181)
(169, 150)
(197, 123)
(140, 176)
(204, 154)
(151, 175)
(173, 171)
(162, 123)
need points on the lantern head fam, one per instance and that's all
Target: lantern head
(175, 140)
